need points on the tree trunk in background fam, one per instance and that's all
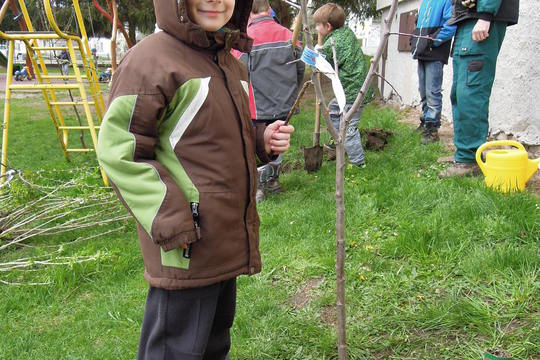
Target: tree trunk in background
(113, 36)
(284, 13)
(132, 33)
(23, 27)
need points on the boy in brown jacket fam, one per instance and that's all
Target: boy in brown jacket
(179, 147)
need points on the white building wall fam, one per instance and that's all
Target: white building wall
(514, 108)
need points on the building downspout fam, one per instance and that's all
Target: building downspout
(383, 70)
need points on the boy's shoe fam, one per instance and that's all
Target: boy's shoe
(272, 186)
(259, 195)
(430, 135)
(461, 169)
(330, 150)
(361, 166)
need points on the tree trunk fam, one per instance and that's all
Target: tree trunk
(339, 139)
(132, 33)
(285, 18)
(340, 201)
(340, 228)
(113, 36)
(340, 245)
(22, 26)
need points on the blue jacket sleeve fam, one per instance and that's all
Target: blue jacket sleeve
(447, 31)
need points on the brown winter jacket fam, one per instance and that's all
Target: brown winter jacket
(178, 134)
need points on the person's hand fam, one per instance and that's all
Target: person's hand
(277, 137)
(481, 30)
(468, 3)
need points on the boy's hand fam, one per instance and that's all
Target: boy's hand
(277, 137)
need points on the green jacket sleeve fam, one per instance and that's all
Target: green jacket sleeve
(326, 50)
(126, 150)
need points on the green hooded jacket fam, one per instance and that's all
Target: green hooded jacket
(352, 65)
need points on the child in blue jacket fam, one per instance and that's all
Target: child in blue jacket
(432, 55)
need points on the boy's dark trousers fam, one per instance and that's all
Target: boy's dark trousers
(190, 324)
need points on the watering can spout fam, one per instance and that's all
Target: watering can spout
(533, 165)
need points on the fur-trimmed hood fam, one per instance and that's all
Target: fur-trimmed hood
(172, 17)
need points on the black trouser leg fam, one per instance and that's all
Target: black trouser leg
(219, 342)
(191, 324)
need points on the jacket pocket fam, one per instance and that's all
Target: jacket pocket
(180, 257)
(419, 46)
(475, 76)
(470, 47)
(174, 258)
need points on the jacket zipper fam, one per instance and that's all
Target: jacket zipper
(195, 215)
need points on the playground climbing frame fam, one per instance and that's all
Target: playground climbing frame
(55, 87)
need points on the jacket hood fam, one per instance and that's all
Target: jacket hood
(172, 17)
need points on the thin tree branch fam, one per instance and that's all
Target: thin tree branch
(372, 69)
(392, 86)
(415, 36)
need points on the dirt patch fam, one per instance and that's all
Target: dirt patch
(499, 353)
(304, 295)
(512, 326)
(328, 315)
(376, 138)
(383, 354)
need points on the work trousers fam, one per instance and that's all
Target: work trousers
(474, 66)
(190, 324)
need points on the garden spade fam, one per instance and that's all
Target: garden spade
(313, 156)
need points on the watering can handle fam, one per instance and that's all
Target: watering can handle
(496, 143)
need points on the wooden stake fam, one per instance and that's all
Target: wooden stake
(296, 32)
(317, 132)
(297, 101)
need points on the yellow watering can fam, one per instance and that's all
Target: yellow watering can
(506, 169)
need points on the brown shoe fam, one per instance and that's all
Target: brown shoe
(259, 196)
(430, 136)
(330, 151)
(272, 187)
(446, 160)
(461, 169)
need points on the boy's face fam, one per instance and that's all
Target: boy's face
(211, 15)
(323, 29)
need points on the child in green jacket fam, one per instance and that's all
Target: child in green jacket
(330, 23)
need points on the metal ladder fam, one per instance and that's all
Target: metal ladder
(52, 86)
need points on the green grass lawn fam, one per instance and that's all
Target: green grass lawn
(436, 269)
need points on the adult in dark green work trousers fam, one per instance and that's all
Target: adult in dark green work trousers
(481, 26)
